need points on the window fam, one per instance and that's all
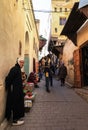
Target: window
(60, 9)
(55, 30)
(65, 9)
(55, 9)
(67, 0)
(62, 20)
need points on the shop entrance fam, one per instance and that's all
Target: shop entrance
(85, 64)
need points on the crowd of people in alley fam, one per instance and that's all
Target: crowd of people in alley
(49, 69)
(19, 86)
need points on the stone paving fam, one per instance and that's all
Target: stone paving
(61, 109)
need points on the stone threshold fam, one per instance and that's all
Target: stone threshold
(83, 92)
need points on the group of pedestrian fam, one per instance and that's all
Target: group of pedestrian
(48, 71)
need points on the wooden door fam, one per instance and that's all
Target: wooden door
(77, 70)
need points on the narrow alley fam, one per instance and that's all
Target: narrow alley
(61, 109)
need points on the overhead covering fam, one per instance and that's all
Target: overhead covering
(83, 3)
(42, 42)
(74, 22)
(84, 10)
(57, 50)
(54, 38)
(83, 6)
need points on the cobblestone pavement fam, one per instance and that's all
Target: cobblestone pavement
(61, 109)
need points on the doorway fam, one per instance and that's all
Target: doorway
(26, 55)
(85, 64)
(26, 65)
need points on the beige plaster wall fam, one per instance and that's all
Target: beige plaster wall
(12, 31)
(32, 29)
(33, 51)
(68, 60)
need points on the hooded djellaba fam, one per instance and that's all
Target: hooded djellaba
(15, 96)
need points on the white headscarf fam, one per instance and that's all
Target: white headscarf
(20, 59)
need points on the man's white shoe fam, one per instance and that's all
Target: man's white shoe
(19, 122)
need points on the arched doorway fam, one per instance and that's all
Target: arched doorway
(26, 55)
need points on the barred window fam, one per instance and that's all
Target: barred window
(62, 20)
(55, 30)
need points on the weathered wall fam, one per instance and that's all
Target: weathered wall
(68, 60)
(82, 37)
(11, 32)
(33, 43)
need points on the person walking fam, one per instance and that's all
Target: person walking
(51, 74)
(47, 74)
(15, 95)
(62, 73)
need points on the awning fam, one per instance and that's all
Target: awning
(54, 38)
(42, 42)
(57, 50)
(74, 22)
(84, 10)
(83, 6)
(83, 3)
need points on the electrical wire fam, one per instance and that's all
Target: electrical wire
(46, 11)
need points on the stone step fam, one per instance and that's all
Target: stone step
(83, 93)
